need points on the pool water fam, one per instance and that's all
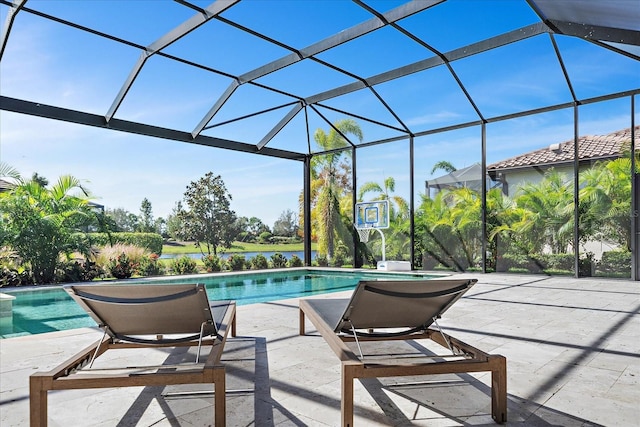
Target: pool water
(47, 310)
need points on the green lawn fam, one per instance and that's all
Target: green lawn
(189, 247)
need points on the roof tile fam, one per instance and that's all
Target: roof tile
(589, 147)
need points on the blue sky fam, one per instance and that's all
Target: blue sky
(62, 66)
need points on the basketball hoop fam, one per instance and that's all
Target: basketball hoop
(369, 216)
(363, 233)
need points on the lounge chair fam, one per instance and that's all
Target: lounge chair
(400, 310)
(141, 317)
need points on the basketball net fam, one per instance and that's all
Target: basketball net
(364, 233)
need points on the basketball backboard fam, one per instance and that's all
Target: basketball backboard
(373, 214)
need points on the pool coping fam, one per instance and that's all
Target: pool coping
(223, 274)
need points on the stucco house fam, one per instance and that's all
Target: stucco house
(530, 167)
(469, 177)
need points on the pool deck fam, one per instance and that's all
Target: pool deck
(572, 349)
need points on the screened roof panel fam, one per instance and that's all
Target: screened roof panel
(170, 94)
(305, 78)
(502, 82)
(429, 99)
(249, 99)
(39, 44)
(130, 22)
(620, 72)
(632, 50)
(292, 137)
(224, 47)
(365, 104)
(391, 49)
(456, 23)
(295, 23)
(612, 13)
(248, 72)
(371, 130)
(250, 129)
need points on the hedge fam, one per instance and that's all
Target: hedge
(151, 241)
(617, 261)
(536, 263)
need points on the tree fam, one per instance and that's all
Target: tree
(330, 184)
(146, 223)
(7, 171)
(39, 179)
(124, 220)
(446, 232)
(286, 225)
(11, 173)
(250, 229)
(208, 219)
(174, 224)
(40, 224)
(398, 207)
(550, 203)
(443, 165)
(256, 227)
(605, 202)
(242, 225)
(160, 227)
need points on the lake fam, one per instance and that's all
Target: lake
(247, 255)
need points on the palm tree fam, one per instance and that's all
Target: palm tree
(443, 165)
(435, 235)
(330, 174)
(7, 171)
(550, 204)
(398, 209)
(398, 214)
(39, 223)
(466, 221)
(605, 200)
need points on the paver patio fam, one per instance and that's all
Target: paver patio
(572, 348)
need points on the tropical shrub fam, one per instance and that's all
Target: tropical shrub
(322, 260)
(9, 277)
(278, 260)
(236, 262)
(212, 263)
(11, 272)
(295, 261)
(150, 266)
(38, 223)
(341, 256)
(265, 237)
(259, 262)
(78, 270)
(557, 261)
(121, 267)
(338, 260)
(183, 265)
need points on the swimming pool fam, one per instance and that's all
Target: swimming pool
(38, 311)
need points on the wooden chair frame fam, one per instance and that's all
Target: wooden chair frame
(69, 375)
(353, 367)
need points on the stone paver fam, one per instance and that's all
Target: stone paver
(572, 348)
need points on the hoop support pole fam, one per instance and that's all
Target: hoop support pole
(384, 245)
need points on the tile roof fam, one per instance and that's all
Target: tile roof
(590, 147)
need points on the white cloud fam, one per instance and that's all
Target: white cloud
(437, 117)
